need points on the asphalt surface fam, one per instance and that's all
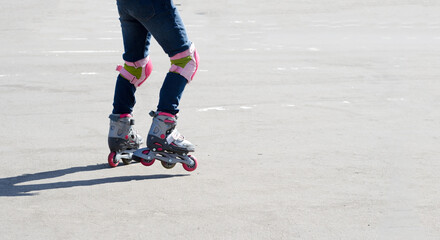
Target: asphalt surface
(311, 119)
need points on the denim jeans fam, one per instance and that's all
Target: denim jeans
(141, 19)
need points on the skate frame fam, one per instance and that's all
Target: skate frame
(164, 156)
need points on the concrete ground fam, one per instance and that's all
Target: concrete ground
(311, 119)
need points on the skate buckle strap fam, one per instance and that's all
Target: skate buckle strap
(144, 73)
(173, 136)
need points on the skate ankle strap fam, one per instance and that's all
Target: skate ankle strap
(125, 115)
(116, 117)
(166, 114)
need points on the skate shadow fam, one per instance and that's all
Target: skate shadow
(9, 187)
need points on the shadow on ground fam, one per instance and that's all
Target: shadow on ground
(8, 186)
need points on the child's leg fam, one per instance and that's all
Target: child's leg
(136, 43)
(168, 29)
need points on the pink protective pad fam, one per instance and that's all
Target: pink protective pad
(147, 68)
(191, 67)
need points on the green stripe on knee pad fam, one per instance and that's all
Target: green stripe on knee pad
(181, 62)
(137, 72)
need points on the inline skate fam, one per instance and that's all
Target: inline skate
(166, 144)
(122, 139)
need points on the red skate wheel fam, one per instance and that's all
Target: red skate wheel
(112, 159)
(146, 162)
(190, 168)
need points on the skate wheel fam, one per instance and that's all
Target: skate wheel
(168, 165)
(192, 167)
(126, 161)
(112, 159)
(146, 162)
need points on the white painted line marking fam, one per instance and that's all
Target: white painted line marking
(309, 68)
(72, 39)
(194, 25)
(396, 99)
(352, 25)
(109, 38)
(82, 51)
(211, 108)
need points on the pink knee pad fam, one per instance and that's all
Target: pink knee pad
(146, 66)
(188, 67)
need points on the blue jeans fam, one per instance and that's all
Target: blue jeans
(141, 19)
